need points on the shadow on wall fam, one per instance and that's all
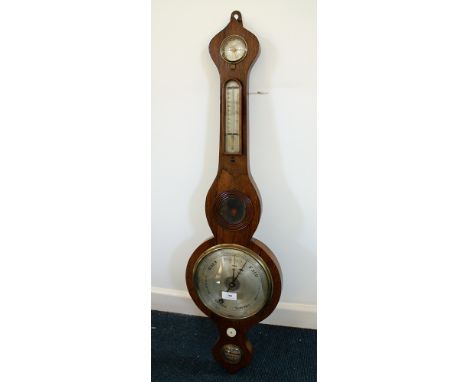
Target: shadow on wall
(187, 246)
(282, 218)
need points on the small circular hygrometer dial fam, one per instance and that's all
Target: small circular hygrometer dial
(233, 48)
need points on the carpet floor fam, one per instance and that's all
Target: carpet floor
(181, 351)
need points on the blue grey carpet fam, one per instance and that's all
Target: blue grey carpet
(181, 351)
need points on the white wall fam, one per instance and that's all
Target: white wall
(185, 134)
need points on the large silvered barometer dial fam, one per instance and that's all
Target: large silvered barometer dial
(232, 281)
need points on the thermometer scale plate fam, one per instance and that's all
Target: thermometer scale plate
(232, 137)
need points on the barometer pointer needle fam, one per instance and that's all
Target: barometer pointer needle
(232, 283)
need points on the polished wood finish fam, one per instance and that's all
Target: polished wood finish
(233, 179)
(233, 169)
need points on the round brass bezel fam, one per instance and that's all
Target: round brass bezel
(248, 252)
(230, 37)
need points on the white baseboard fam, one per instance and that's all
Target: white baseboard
(285, 314)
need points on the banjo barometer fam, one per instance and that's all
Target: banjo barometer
(232, 277)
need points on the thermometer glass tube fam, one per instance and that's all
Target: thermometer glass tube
(232, 137)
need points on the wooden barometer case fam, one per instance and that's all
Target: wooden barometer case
(232, 277)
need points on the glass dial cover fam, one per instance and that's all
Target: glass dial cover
(232, 281)
(233, 49)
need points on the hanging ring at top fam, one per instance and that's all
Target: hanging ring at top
(237, 16)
